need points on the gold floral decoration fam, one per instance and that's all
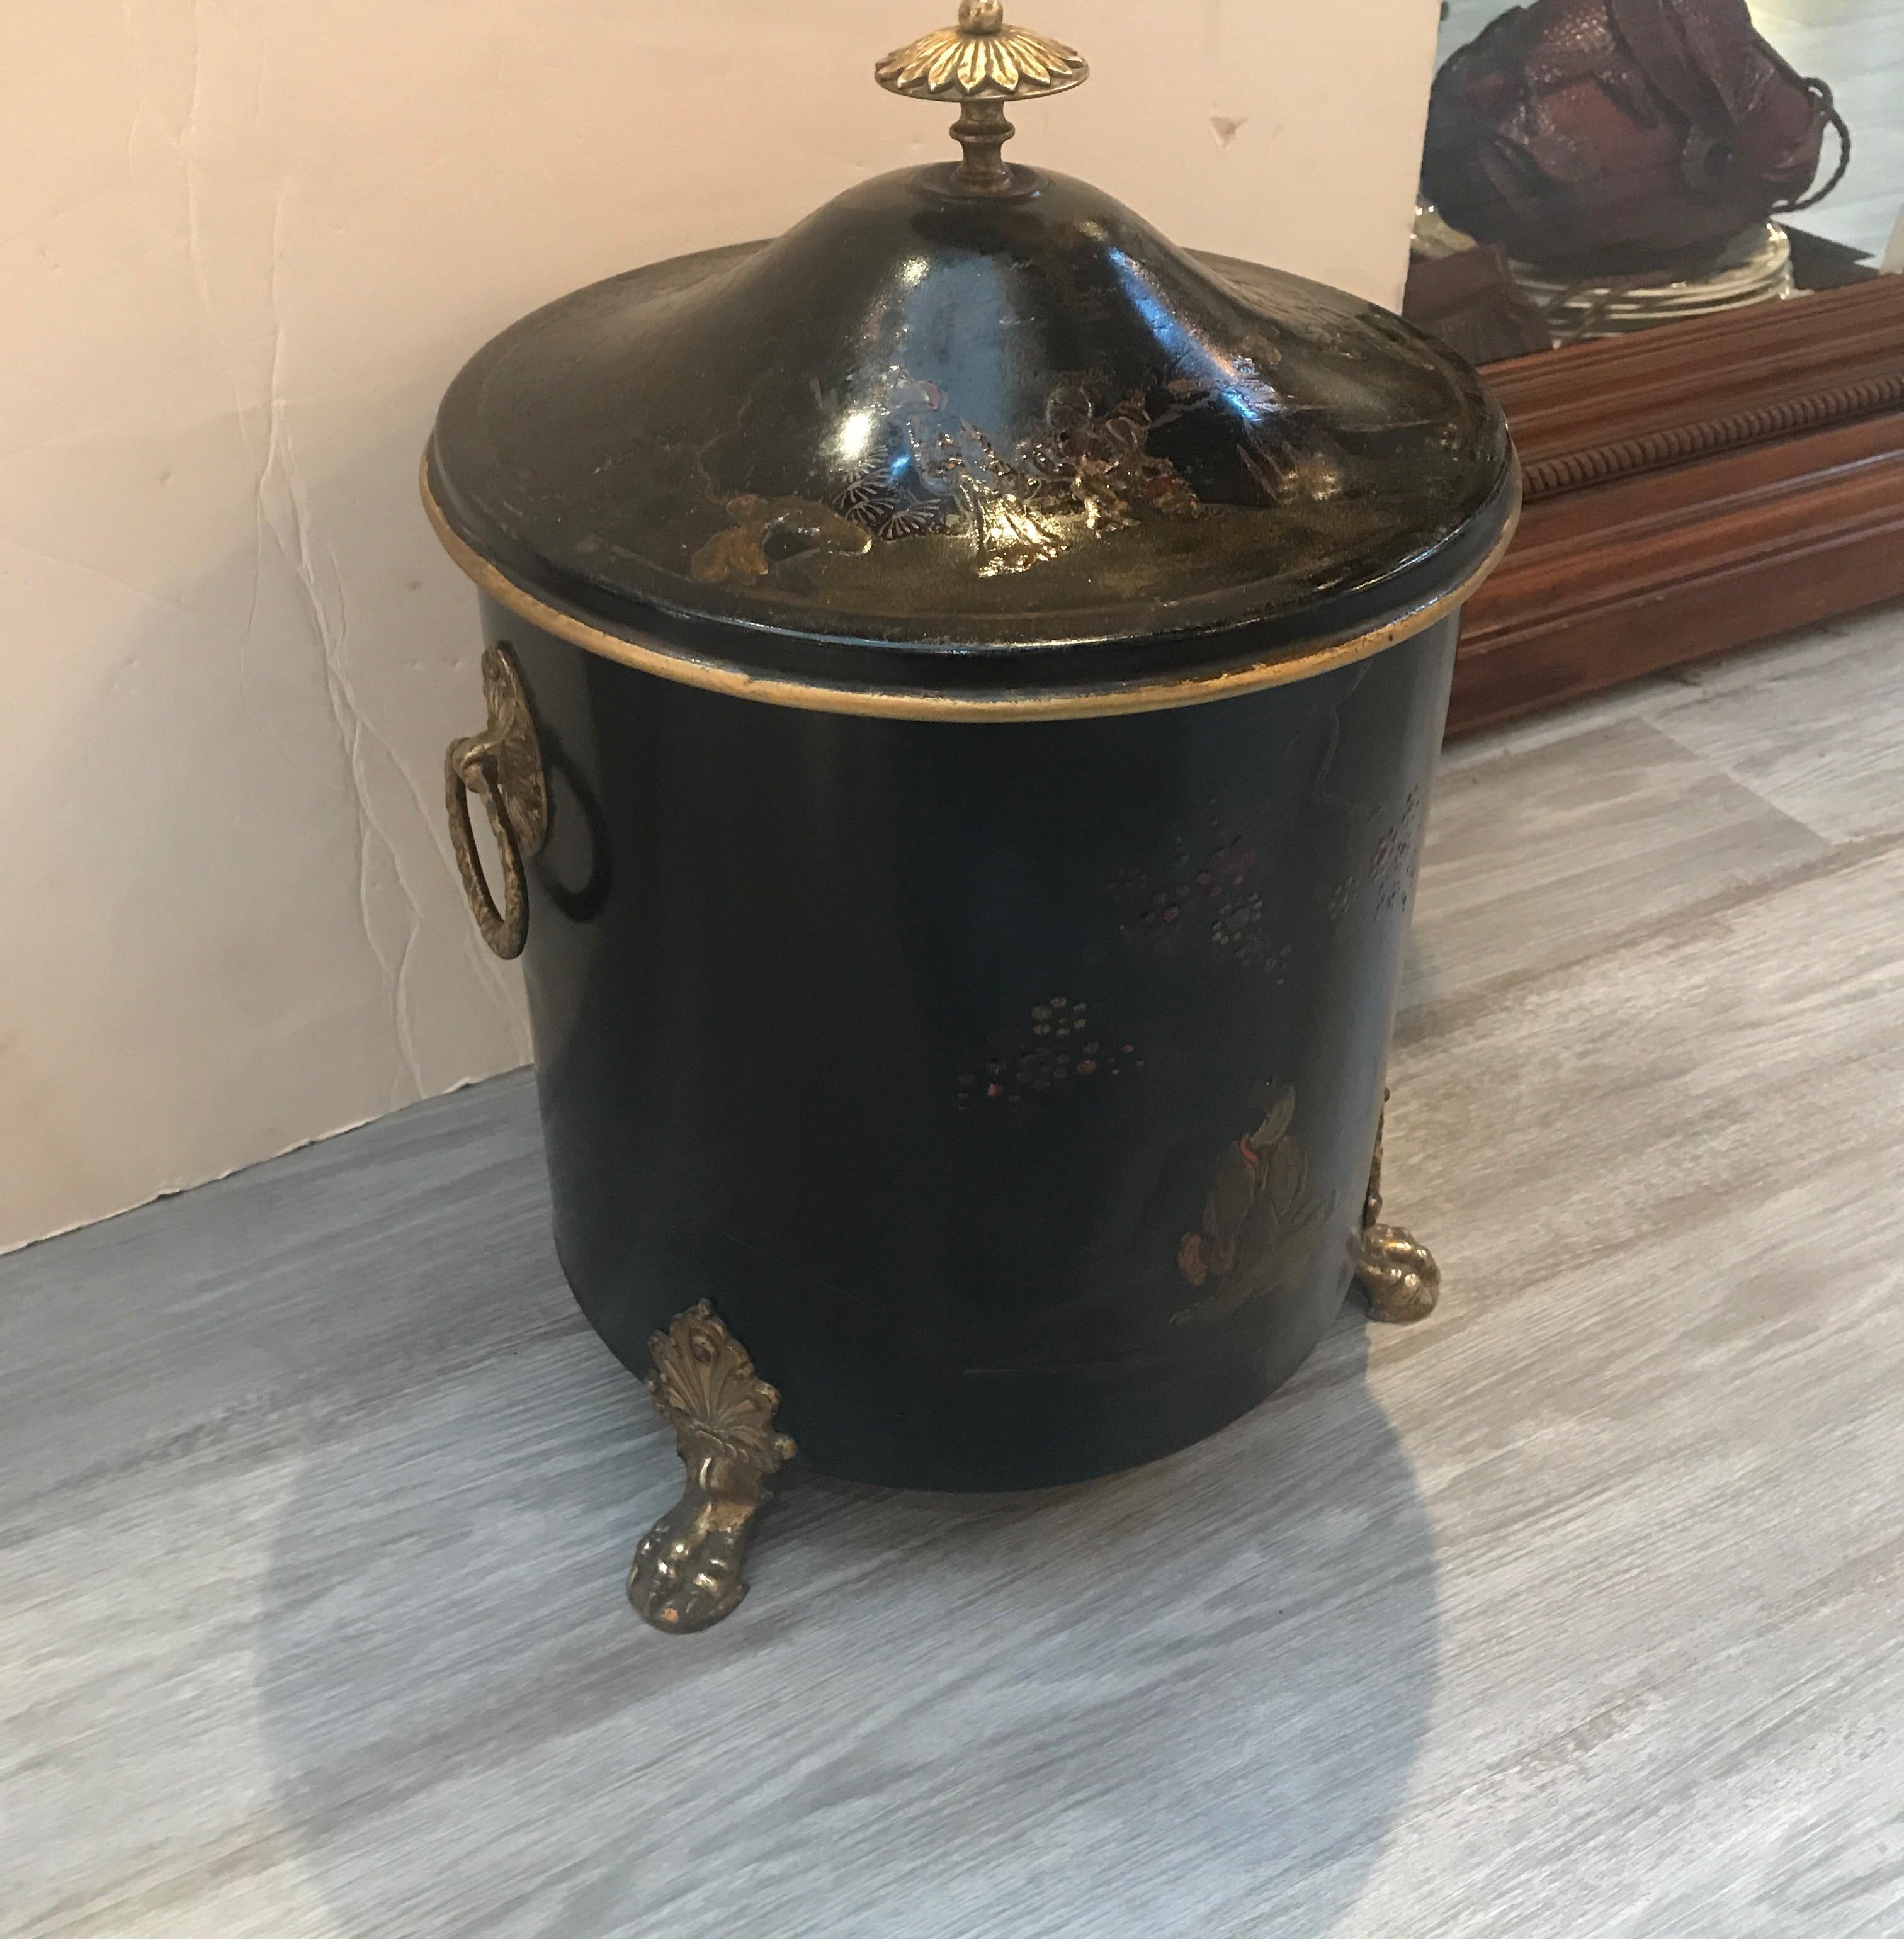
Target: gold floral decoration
(981, 58)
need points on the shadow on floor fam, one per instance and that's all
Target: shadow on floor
(1184, 1700)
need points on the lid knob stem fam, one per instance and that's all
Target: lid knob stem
(982, 131)
(982, 63)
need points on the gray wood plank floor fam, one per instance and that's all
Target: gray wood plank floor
(1578, 1610)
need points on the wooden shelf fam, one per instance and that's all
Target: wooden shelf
(1690, 490)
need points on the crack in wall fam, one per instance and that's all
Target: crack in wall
(145, 593)
(188, 163)
(331, 633)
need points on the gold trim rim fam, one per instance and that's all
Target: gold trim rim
(1150, 696)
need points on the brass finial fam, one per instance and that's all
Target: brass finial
(982, 63)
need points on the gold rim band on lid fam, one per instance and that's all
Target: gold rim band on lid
(1145, 696)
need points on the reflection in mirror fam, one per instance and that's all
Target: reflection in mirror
(1593, 167)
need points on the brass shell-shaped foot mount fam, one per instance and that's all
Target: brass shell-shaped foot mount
(1397, 1272)
(687, 1573)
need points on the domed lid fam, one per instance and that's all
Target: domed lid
(972, 437)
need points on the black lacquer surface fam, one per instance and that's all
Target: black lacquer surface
(933, 1056)
(934, 441)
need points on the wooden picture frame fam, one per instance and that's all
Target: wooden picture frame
(1689, 490)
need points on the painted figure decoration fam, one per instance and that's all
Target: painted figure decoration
(963, 678)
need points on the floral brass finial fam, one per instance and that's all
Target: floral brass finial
(982, 63)
(982, 57)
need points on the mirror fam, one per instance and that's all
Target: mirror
(1594, 168)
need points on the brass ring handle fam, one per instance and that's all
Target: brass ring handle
(503, 764)
(469, 765)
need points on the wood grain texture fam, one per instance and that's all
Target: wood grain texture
(1532, 863)
(1651, 390)
(1573, 1611)
(1828, 751)
(1692, 489)
(1622, 580)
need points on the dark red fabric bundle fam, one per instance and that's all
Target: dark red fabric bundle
(1615, 136)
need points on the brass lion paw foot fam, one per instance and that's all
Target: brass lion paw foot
(687, 1573)
(1398, 1273)
(1395, 1271)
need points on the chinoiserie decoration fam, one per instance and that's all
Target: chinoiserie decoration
(964, 681)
